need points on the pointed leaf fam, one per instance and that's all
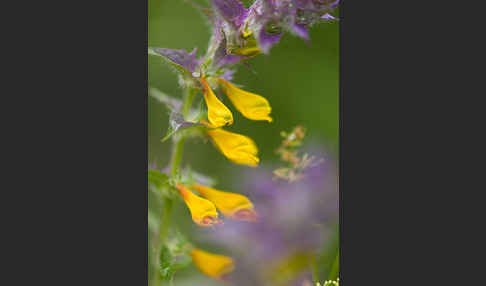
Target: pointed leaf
(157, 178)
(171, 262)
(179, 59)
(177, 123)
(172, 103)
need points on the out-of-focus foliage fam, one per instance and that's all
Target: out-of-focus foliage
(296, 164)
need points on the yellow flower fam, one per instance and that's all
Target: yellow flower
(213, 265)
(252, 106)
(246, 51)
(232, 205)
(218, 114)
(203, 212)
(236, 147)
(247, 47)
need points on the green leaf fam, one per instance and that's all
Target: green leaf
(161, 185)
(169, 134)
(177, 123)
(170, 263)
(158, 179)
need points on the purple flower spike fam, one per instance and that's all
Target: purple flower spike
(179, 57)
(232, 10)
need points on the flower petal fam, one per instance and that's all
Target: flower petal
(203, 212)
(232, 11)
(213, 265)
(234, 206)
(218, 114)
(252, 106)
(301, 31)
(236, 147)
(266, 39)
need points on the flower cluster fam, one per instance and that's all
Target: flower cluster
(248, 32)
(203, 210)
(237, 148)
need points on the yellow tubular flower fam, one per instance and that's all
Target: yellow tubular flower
(252, 106)
(236, 147)
(218, 114)
(203, 212)
(232, 205)
(213, 265)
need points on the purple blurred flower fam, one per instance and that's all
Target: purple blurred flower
(294, 221)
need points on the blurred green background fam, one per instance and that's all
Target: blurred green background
(300, 81)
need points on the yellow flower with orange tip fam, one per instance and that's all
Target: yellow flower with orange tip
(203, 212)
(213, 265)
(236, 147)
(218, 114)
(232, 205)
(252, 106)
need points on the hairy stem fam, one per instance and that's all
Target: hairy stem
(165, 220)
(175, 162)
(178, 146)
(176, 157)
(188, 98)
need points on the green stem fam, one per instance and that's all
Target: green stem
(165, 220)
(315, 273)
(175, 162)
(178, 146)
(153, 270)
(163, 230)
(188, 98)
(334, 268)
